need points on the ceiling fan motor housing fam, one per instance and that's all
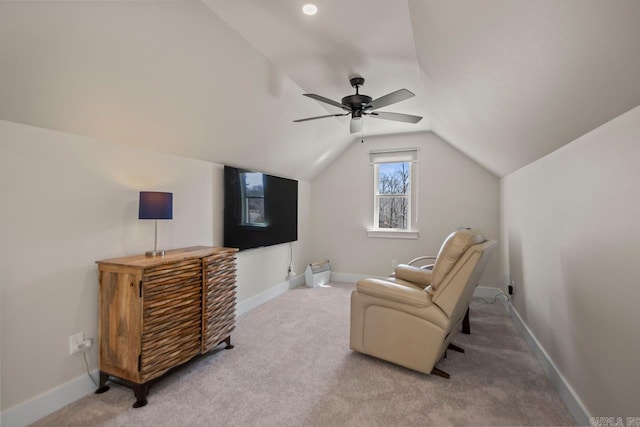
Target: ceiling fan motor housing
(356, 102)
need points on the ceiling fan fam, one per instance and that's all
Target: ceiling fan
(359, 106)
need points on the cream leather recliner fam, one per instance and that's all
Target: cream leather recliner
(411, 318)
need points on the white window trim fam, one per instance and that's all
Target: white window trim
(408, 155)
(390, 233)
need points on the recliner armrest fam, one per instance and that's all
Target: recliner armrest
(394, 292)
(421, 260)
(413, 274)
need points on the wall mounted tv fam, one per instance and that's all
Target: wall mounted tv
(259, 209)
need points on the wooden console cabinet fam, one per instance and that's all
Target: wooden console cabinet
(156, 313)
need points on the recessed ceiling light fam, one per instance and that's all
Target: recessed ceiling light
(309, 9)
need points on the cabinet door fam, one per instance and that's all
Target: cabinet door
(172, 316)
(120, 323)
(219, 299)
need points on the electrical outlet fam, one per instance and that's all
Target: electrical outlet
(394, 263)
(77, 343)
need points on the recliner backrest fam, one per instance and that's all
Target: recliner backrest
(453, 248)
(455, 291)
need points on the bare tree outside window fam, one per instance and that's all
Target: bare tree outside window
(393, 195)
(253, 193)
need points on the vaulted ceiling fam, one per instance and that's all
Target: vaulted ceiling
(504, 81)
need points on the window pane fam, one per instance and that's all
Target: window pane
(393, 178)
(253, 182)
(393, 212)
(256, 210)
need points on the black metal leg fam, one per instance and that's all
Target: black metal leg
(466, 325)
(141, 391)
(103, 383)
(228, 341)
(438, 372)
(454, 347)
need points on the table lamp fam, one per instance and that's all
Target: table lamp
(155, 205)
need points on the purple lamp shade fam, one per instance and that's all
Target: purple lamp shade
(155, 205)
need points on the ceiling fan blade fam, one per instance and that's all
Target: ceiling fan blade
(398, 117)
(326, 101)
(390, 98)
(320, 117)
(356, 125)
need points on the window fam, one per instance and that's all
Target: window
(394, 193)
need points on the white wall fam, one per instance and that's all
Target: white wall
(571, 243)
(67, 201)
(257, 268)
(453, 191)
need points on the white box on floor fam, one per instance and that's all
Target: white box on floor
(317, 274)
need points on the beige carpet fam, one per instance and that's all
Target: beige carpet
(292, 366)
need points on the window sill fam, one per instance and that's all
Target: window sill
(391, 234)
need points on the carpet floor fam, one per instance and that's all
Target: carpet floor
(292, 366)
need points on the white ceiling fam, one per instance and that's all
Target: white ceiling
(372, 38)
(504, 81)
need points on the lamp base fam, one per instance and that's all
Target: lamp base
(154, 253)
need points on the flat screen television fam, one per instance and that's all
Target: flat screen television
(259, 209)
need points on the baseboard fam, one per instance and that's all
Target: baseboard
(567, 393)
(44, 404)
(264, 296)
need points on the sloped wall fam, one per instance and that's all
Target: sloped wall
(570, 242)
(166, 75)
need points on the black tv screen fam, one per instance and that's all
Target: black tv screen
(259, 209)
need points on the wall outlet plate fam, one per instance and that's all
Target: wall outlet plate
(76, 343)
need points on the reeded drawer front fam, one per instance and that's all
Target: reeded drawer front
(171, 277)
(219, 299)
(172, 316)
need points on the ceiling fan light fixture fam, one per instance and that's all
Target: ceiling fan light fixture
(310, 9)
